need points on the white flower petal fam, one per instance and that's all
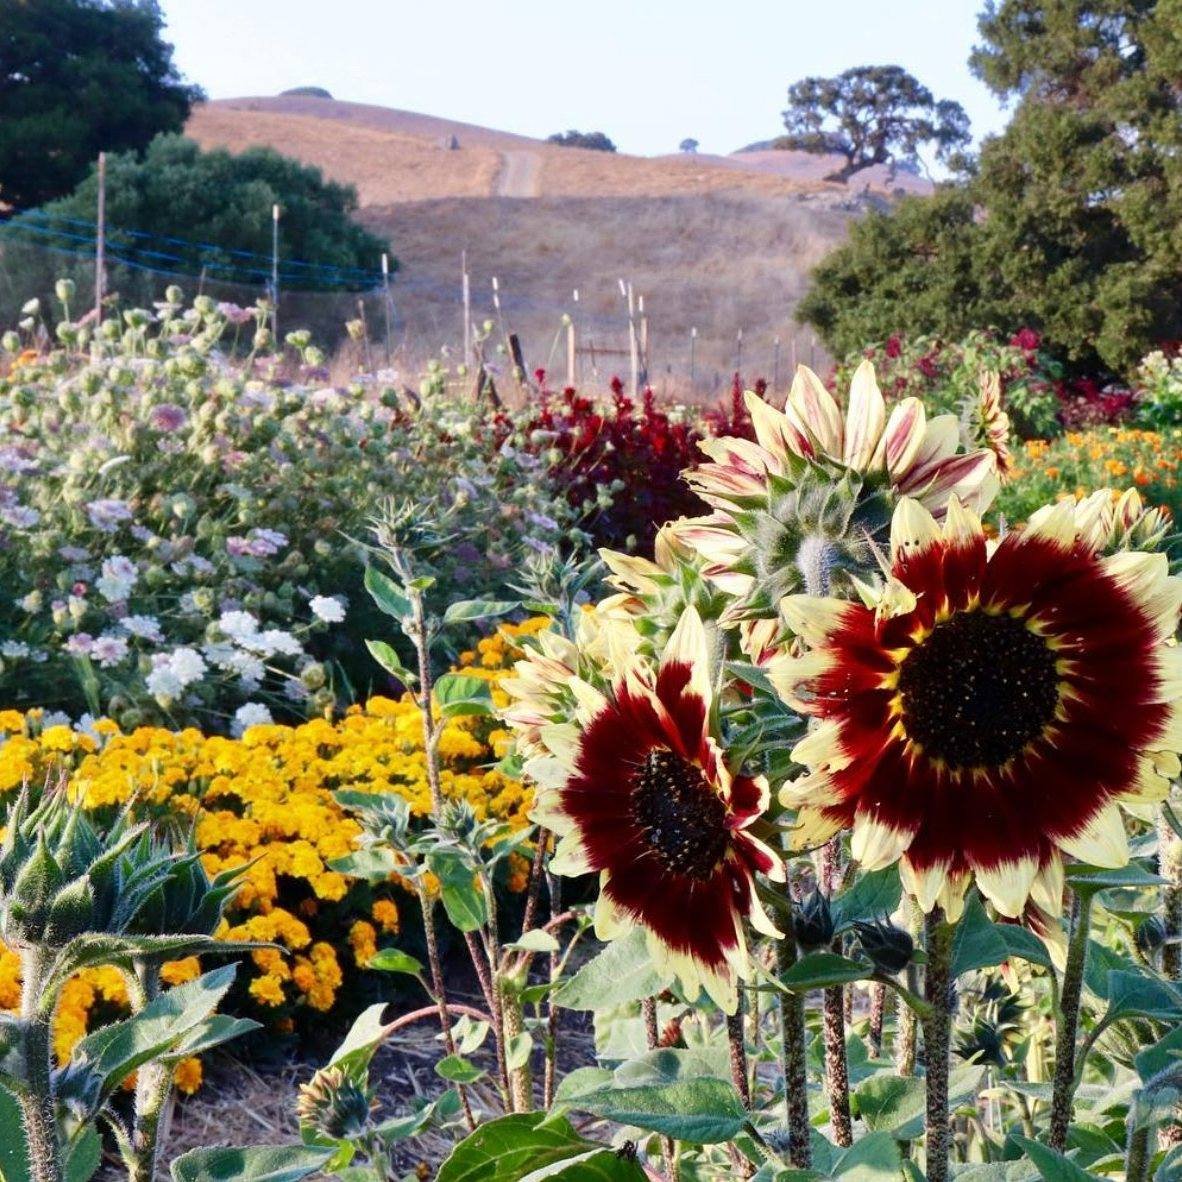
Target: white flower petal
(1102, 841)
(865, 417)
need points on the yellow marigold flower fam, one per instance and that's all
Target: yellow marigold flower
(363, 941)
(177, 972)
(385, 913)
(188, 1076)
(267, 990)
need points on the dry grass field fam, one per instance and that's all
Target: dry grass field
(717, 244)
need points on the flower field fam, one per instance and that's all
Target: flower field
(820, 750)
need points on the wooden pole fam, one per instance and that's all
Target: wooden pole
(387, 307)
(467, 289)
(571, 352)
(275, 272)
(100, 239)
(633, 343)
(792, 355)
(645, 363)
(739, 353)
(693, 356)
(775, 364)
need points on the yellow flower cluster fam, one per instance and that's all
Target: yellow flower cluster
(266, 801)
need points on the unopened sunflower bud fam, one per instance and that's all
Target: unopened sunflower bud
(333, 1105)
(11, 342)
(888, 947)
(64, 290)
(812, 922)
(355, 329)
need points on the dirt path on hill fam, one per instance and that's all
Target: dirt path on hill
(519, 174)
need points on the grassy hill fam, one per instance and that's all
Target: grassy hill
(716, 244)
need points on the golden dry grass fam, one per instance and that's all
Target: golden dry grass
(712, 245)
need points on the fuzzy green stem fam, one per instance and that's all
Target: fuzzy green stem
(1169, 865)
(937, 1034)
(1137, 1152)
(877, 1014)
(153, 1085)
(520, 1078)
(792, 1059)
(837, 1074)
(38, 1107)
(1067, 1021)
(738, 1049)
(652, 1038)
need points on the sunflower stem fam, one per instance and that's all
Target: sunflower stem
(1169, 865)
(738, 1048)
(837, 1073)
(37, 1101)
(937, 1033)
(906, 1020)
(1138, 1150)
(652, 1039)
(1067, 1021)
(792, 1059)
(877, 1012)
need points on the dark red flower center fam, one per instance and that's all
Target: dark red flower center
(978, 689)
(680, 816)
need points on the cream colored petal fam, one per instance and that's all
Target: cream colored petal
(815, 409)
(1047, 888)
(972, 478)
(570, 858)
(590, 700)
(546, 771)
(631, 572)
(813, 617)
(1169, 672)
(875, 845)
(924, 884)
(912, 528)
(941, 439)
(960, 525)
(688, 646)
(902, 438)
(1007, 886)
(896, 599)
(561, 739)
(1167, 763)
(821, 748)
(865, 417)
(773, 430)
(761, 921)
(1150, 786)
(812, 829)
(951, 897)
(547, 811)
(1102, 841)
(1056, 526)
(814, 789)
(789, 675)
(611, 921)
(1146, 577)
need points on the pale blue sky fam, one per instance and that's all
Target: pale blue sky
(648, 74)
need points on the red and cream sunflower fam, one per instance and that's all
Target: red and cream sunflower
(985, 717)
(640, 793)
(816, 480)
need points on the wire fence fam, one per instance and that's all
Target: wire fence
(585, 340)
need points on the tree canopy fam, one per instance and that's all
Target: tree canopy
(1067, 222)
(78, 77)
(871, 115)
(595, 140)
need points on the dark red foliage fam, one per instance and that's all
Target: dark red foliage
(1083, 402)
(638, 444)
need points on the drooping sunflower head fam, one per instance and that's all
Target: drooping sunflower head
(985, 424)
(814, 493)
(984, 716)
(639, 791)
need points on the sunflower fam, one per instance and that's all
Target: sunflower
(639, 791)
(985, 714)
(984, 422)
(1109, 521)
(816, 483)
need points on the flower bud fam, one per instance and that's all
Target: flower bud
(888, 947)
(812, 922)
(64, 290)
(332, 1105)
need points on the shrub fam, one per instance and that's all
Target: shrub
(175, 531)
(596, 141)
(945, 375)
(266, 801)
(1159, 396)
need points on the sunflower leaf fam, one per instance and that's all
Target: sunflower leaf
(1052, 1166)
(874, 895)
(820, 970)
(386, 593)
(1095, 878)
(622, 972)
(980, 943)
(463, 900)
(464, 610)
(458, 694)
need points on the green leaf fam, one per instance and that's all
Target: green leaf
(819, 970)
(1136, 994)
(666, 1092)
(14, 1152)
(621, 973)
(374, 864)
(386, 593)
(478, 609)
(875, 1158)
(258, 1163)
(85, 1156)
(115, 1051)
(518, 1051)
(530, 1147)
(457, 1069)
(1166, 1052)
(897, 1104)
(535, 941)
(213, 1032)
(394, 960)
(364, 1038)
(1052, 1166)
(389, 660)
(1094, 878)
(463, 900)
(874, 895)
(981, 943)
(458, 694)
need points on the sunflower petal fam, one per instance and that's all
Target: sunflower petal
(923, 883)
(913, 528)
(1007, 885)
(1102, 841)
(865, 417)
(814, 617)
(816, 411)
(874, 844)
